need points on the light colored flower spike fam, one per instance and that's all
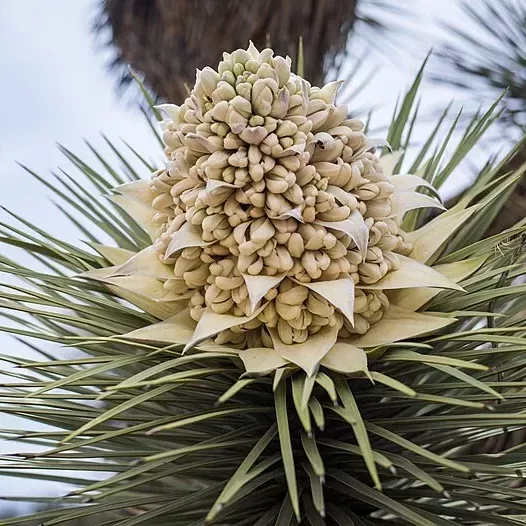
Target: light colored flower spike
(276, 222)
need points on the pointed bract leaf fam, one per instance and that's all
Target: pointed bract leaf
(408, 200)
(389, 161)
(177, 329)
(338, 292)
(413, 299)
(345, 358)
(413, 274)
(309, 354)
(145, 263)
(398, 324)
(211, 323)
(187, 236)
(261, 360)
(429, 238)
(115, 255)
(258, 286)
(354, 226)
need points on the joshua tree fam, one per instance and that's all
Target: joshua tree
(272, 331)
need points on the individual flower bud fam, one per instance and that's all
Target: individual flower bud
(208, 79)
(295, 245)
(254, 134)
(262, 97)
(282, 68)
(280, 105)
(223, 91)
(235, 120)
(261, 231)
(367, 191)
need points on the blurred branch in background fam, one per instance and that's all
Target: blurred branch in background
(486, 59)
(165, 40)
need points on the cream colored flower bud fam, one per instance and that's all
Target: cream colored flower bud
(244, 89)
(361, 325)
(208, 79)
(315, 106)
(245, 261)
(282, 238)
(280, 105)
(222, 307)
(261, 231)
(266, 71)
(254, 134)
(370, 272)
(212, 222)
(386, 189)
(378, 208)
(241, 56)
(318, 119)
(329, 91)
(305, 175)
(162, 201)
(310, 264)
(197, 277)
(239, 158)
(367, 191)
(223, 91)
(267, 248)
(392, 260)
(291, 162)
(339, 213)
(269, 316)
(329, 170)
(285, 260)
(255, 268)
(251, 66)
(235, 120)
(225, 283)
(257, 120)
(285, 332)
(294, 195)
(282, 68)
(219, 111)
(262, 97)
(295, 245)
(276, 204)
(302, 322)
(277, 185)
(240, 294)
(296, 295)
(309, 214)
(241, 105)
(254, 154)
(315, 240)
(232, 141)
(286, 311)
(374, 255)
(335, 118)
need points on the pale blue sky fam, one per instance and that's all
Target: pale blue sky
(55, 88)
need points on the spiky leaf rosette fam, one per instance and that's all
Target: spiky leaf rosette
(392, 429)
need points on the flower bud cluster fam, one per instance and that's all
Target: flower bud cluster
(260, 164)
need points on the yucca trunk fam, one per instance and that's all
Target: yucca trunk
(166, 40)
(514, 209)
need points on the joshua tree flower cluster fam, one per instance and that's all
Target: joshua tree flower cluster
(269, 193)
